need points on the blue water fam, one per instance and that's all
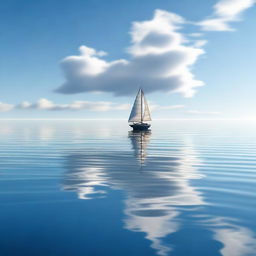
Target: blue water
(76, 188)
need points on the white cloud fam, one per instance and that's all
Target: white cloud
(45, 104)
(197, 112)
(5, 107)
(168, 107)
(160, 60)
(200, 43)
(40, 104)
(225, 12)
(196, 34)
(24, 105)
(158, 35)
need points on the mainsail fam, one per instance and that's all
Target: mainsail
(146, 115)
(140, 110)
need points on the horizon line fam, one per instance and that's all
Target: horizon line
(122, 119)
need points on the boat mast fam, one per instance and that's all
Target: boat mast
(141, 106)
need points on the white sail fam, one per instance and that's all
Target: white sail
(136, 113)
(140, 110)
(146, 115)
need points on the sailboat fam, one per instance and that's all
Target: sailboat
(140, 113)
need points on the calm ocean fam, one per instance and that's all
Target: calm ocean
(76, 188)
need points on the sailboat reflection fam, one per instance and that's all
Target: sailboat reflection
(140, 141)
(153, 195)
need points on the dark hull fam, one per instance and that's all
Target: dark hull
(140, 126)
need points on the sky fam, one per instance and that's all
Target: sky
(195, 59)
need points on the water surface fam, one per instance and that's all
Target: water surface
(186, 188)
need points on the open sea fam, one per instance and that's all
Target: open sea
(94, 188)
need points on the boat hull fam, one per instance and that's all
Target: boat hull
(140, 126)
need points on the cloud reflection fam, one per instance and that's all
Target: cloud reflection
(236, 240)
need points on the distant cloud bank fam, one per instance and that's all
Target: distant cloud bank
(45, 104)
(5, 107)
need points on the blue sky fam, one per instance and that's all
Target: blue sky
(37, 35)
